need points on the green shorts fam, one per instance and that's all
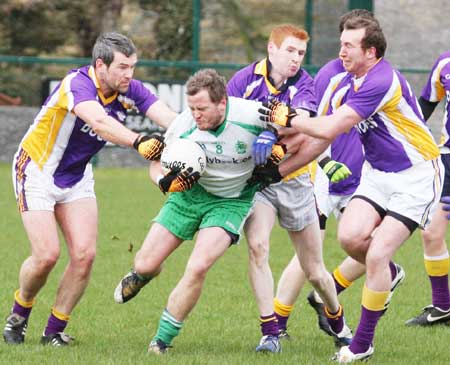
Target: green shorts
(185, 213)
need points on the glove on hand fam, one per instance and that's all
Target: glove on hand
(269, 173)
(335, 171)
(150, 147)
(278, 153)
(176, 181)
(262, 147)
(277, 112)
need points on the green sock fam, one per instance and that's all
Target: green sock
(168, 328)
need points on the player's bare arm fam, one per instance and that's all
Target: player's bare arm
(308, 149)
(160, 113)
(103, 125)
(155, 171)
(325, 127)
(330, 126)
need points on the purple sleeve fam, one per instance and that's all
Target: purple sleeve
(305, 97)
(142, 96)
(82, 89)
(367, 100)
(236, 85)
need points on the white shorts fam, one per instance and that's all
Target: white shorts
(412, 193)
(293, 201)
(36, 190)
(328, 203)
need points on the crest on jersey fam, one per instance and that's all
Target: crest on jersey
(241, 147)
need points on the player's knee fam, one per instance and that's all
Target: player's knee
(196, 271)
(258, 251)
(83, 260)
(376, 262)
(351, 240)
(433, 238)
(46, 261)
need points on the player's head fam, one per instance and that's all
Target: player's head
(114, 57)
(207, 98)
(286, 49)
(361, 13)
(373, 34)
(362, 45)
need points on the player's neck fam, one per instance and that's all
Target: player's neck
(104, 88)
(106, 91)
(277, 79)
(366, 69)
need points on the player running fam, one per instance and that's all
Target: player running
(53, 179)
(402, 181)
(215, 207)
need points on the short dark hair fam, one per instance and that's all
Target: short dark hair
(373, 36)
(362, 13)
(210, 80)
(108, 43)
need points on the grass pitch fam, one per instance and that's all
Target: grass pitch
(224, 327)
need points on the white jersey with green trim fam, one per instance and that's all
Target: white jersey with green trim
(228, 148)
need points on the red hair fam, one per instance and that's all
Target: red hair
(281, 32)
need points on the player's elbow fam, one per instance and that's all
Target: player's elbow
(99, 124)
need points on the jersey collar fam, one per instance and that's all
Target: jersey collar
(104, 100)
(263, 68)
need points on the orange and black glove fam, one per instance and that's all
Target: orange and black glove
(278, 152)
(269, 173)
(277, 112)
(177, 181)
(150, 147)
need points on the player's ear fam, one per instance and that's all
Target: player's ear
(371, 52)
(222, 105)
(98, 63)
(223, 102)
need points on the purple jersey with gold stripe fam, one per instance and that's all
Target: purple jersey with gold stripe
(253, 83)
(346, 148)
(393, 132)
(59, 142)
(438, 87)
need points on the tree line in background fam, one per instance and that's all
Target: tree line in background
(65, 28)
(232, 31)
(69, 28)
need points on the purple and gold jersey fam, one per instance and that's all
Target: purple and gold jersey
(393, 132)
(59, 142)
(438, 87)
(253, 83)
(346, 148)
